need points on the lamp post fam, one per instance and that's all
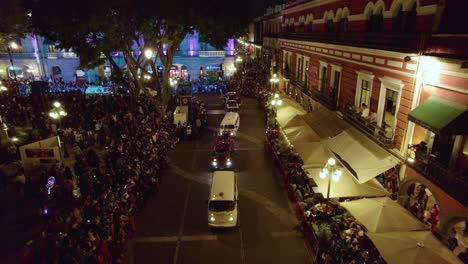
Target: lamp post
(274, 80)
(276, 101)
(12, 45)
(333, 173)
(57, 112)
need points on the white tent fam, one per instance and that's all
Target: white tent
(347, 186)
(300, 134)
(417, 247)
(383, 215)
(312, 153)
(296, 121)
(364, 156)
(288, 111)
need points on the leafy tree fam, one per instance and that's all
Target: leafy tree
(96, 29)
(14, 21)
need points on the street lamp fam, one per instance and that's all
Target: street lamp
(238, 59)
(14, 46)
(3, 88)
(57, 112)
(148, 53)
(274, 80)
(333, 173)
(276, 101)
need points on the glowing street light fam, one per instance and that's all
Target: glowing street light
(58, 111)
(331, 171)
(13, 45)
(274, 80)
(148, 53)
(238, 59)
(172, 82)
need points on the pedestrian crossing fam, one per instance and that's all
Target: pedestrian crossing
(206, 237)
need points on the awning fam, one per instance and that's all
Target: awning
(362, 156)
(325, 122)
(300, 134)
(437, 114)
(288, 111)
(347, 186)
(313, 153)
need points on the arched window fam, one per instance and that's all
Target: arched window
(329, 25)
(377, 22)
(369, 22)
(344, 24)
(411, 20)
(398, 21)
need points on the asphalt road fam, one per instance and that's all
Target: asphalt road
(172, 228)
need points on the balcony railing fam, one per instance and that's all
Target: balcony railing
(19, 55)
(381, 40)
(298, 82)
(212, 53)
(383, 136)
(452, 181)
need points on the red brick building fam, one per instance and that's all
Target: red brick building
(403, 60)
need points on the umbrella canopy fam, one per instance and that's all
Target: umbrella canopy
(383, 215)
(295, 121)
(417, 247)
(300, 134)
(312, 153)
(288, 111)
(347, 186)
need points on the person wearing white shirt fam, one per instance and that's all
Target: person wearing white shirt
(364, 111)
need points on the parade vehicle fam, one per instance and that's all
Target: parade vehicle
(232, 106)
(231, 96)
(222, 203)
(230, 124)
(221, 154)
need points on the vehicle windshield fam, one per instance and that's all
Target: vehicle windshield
(233, 104)
(220, 206)
(228, 126)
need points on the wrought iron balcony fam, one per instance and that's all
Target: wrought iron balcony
(379, 40)
(452, 181)
(382, 136)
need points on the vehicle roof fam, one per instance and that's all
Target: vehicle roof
(229, 118)
(223, 182)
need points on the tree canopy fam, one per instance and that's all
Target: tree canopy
(96, 29)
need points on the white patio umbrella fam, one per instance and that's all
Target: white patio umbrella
(417, 247)
(300, 134)
(312, 153)
(382, 214)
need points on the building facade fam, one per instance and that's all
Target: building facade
(405, 62)
(36, 57)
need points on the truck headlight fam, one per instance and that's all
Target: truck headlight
(228, 163)
(212, 219)
(214, 163)
(231, 218)
(232, 133)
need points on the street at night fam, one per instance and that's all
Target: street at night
(243, 132)
(173, 227)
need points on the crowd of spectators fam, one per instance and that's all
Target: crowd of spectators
(118, 149)
(251, 78)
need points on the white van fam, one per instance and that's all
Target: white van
(181, 115)
(232, 106)
(222, 205)
(230, 124)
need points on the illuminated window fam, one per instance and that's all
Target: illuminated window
(363, 88)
